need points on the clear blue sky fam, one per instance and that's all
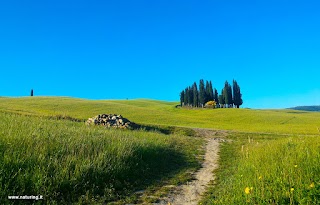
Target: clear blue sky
(154, 49)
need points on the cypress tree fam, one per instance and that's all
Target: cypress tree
(201, 93)
(227, 94)
(31, 94)
(186, 97)
(237, 96)
(230, 104)
(211, 94)
(195, 95)
(221, 99)
(216, 96)
(182, 98)
(190, 96)
(207, 92)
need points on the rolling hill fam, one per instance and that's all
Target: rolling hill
(47, 149)
(154, 112)
(314, 108)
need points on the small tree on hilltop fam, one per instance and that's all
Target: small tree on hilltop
(31, 94)
(211, 104)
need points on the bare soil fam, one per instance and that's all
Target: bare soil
(190, 193)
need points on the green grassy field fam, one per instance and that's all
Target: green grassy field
(267, 169)
(165, 113)
(68, 162)
(273, 156)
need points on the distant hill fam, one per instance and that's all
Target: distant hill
(314, 108)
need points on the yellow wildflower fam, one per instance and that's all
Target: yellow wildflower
(296, 166)
(260, 177)
(311, 185)
(292, 189)
(247, 190)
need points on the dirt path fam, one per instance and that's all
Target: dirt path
(190, 193)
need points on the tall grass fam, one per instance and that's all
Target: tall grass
(68, 162)
(268, 170)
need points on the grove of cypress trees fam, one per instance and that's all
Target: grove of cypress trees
(195, 96)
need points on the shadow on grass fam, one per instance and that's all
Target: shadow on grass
(167, 130)
(146, 166)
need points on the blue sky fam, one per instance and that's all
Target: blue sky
(154, 49)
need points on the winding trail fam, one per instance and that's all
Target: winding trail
(190, 193)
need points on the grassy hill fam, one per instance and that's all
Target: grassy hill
(315, 108)
(273, 156)
(165, 113)
(68, 162)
